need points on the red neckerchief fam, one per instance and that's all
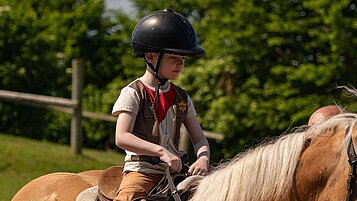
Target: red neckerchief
(166, 100)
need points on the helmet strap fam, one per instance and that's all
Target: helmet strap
(161, 83)
(156, 69)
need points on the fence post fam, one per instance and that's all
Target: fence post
(76, 122)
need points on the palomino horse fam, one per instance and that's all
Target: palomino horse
(61, 186)
(309, 164)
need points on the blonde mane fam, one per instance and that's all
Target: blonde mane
(266, 172)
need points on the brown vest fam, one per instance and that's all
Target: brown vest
(146, 126)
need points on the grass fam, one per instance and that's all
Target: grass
(22, 160)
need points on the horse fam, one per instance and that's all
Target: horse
(58, 186)
(310, 163)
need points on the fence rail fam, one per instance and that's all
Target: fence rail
(33, 99)
(74, 106)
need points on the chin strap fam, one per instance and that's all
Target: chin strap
(162, 81)
(156, 69)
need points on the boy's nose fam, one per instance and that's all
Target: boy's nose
(182, 61)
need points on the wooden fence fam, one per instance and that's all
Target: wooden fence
(74, 107)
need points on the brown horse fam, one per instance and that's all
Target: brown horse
(61, 186)
(308, 164)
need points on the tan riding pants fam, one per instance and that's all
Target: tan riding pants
(136, 184)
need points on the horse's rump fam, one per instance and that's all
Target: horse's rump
(56, 186)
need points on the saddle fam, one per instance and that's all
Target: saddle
(109, 182)
(166, 190)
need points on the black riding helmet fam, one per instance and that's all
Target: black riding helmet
(165, 31)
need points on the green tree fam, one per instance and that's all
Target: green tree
(39, 39)
(268, 64)
(28, 53)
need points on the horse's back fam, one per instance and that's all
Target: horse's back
(57, 186)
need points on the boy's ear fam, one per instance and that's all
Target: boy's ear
(150, 57)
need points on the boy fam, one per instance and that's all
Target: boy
(151, 110)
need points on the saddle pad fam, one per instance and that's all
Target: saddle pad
(109, 182)
(89, 194)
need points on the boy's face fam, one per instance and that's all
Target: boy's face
(171, 65)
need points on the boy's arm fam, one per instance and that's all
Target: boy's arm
(128, 141)
(200, 145)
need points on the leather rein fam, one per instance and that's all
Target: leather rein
(352, 177)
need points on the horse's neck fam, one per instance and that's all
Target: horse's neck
(321, 170)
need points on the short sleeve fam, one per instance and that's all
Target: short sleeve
(191, 108)
(128, 101)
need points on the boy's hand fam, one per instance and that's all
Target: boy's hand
(200, 167)
(172, 161)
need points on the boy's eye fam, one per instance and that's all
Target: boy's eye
(176, 59)
(173, 59)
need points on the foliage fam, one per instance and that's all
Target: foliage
(268, 64)
(38, 42)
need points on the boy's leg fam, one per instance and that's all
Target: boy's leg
(136, 184)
